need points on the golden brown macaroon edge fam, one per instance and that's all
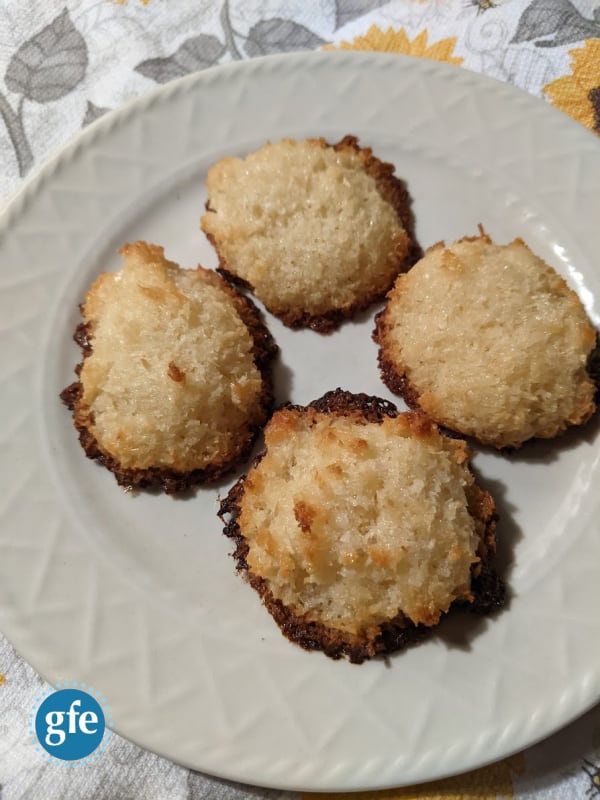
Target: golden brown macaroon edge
(399, 383)
(168, 480)
(394, 191)
(487, 588)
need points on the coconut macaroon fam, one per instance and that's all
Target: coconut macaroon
(360, 527)
(174, 384)
(315, 231)
(489, 341)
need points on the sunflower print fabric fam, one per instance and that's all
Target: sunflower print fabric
(397, 41)
(529, 44)
(578, 94)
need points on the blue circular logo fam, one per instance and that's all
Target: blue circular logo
(70, 724)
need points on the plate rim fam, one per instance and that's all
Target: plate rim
(17, 204)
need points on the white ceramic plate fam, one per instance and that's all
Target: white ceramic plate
(137, 595)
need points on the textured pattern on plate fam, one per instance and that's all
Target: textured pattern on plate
(136, 595)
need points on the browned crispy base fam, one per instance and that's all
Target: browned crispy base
(394, 191)
(487, 587)
(593, 368)
(169, 480)
(396, 381)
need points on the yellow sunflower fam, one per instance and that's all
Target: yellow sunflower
(487, 783)
(392, 41)
(578, 94)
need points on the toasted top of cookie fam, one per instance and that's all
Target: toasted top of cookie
(489, 341)
(355, 517)
(171, 380)
(315, 230)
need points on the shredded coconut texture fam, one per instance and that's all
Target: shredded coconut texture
(306, 226)
(489, 341)
(352, 523)
(171, 380)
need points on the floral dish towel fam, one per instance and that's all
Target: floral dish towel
(64, 64)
